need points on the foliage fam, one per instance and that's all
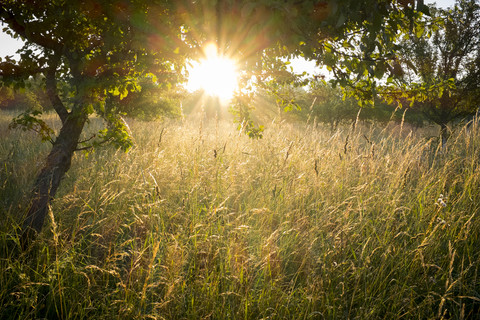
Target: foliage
(241, 110)
(360, 41)
(29, 121)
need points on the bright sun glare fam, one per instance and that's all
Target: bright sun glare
(215, 74)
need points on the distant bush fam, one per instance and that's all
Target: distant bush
(150, 103)
(324, 104)
(32, 97)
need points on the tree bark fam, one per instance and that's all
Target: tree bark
(46, 185)
(444, 134)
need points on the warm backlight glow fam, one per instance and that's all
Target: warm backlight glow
(215, 74)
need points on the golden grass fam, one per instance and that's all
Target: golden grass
(198, 222)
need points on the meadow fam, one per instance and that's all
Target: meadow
(198, 221)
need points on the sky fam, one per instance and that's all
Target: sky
(8, 45)
(441, 3)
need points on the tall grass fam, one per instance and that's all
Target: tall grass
(200, 222)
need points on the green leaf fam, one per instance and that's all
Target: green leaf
(419, 31)
(380, 70)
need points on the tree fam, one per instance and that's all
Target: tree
(442, 74)
(89, 51)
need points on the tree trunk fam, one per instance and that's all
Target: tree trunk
(46, 185)
(444, 134)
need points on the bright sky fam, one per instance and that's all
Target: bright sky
(8, 45)
(441, 3)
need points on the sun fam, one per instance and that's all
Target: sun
(216, 75)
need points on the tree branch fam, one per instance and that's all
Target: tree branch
(51, 86)
(92, 146)
(22, 28)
